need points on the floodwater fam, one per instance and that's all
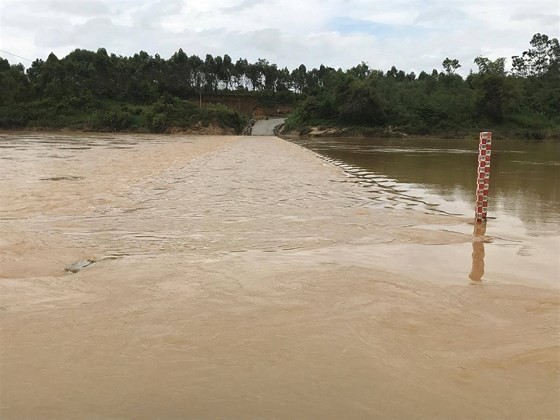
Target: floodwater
(441, 173)
(236, 277)
(439, 176)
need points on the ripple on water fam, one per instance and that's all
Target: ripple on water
(63, 178)
(385, 191)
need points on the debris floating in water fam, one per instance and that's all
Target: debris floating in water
(79, 265)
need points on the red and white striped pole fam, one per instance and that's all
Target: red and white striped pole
(483, 180)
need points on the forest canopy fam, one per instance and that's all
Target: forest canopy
(102, 91)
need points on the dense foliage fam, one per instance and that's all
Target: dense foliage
(524, 102)
(98, 91)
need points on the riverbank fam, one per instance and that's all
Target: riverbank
(248, 277)
(169, 115)
(198, 130)
(215, 129)
(518, 133)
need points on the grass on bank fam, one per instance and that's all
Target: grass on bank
(518, 126)
(91, 114)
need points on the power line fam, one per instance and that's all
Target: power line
(15, 55)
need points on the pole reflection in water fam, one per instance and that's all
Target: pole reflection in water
(477, 269)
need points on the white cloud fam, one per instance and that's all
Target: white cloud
(412, 35)
(78, 8)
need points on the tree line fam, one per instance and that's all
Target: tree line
(142, 77)
(523, 102)
(97, 90)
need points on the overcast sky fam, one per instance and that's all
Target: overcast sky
(413, 35)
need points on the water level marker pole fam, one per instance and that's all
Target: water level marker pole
(483, 176)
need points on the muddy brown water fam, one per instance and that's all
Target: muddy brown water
(439, 173)
(240, 277)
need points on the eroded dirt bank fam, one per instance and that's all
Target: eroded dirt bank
(244, 277)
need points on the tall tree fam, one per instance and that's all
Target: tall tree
(450, 66)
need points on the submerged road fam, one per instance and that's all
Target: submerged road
(266, 127)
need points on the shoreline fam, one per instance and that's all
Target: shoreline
(382, 132)
(212, 130)
(295, 134)
(305, 132)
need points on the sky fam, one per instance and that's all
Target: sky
(412, 35)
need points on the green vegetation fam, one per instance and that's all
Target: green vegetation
(97, 91)
(523, 103)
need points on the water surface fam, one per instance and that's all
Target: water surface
(524, 181)
(245, 277)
